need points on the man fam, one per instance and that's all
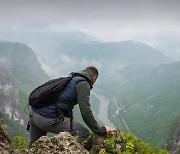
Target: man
(42, 120)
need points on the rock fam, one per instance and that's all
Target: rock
(5, 146)
(63, 143)
(173, 140)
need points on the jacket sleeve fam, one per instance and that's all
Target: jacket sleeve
(83, 94)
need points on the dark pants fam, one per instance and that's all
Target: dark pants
(40, 125)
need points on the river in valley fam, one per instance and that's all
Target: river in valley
(104, 99)
(103, 110)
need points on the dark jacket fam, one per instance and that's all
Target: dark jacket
(76, 92)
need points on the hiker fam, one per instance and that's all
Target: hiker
(77, 91)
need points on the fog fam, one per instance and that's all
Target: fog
(155, 23)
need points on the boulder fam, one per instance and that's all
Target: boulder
(63, 143)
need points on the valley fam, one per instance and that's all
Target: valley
(147, 87)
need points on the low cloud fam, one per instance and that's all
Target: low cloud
(64, 65)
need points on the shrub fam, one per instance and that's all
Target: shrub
(19, 143)
(119, 143)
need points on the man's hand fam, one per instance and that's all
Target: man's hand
(109, 129)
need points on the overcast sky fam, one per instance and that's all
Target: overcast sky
(107, 20)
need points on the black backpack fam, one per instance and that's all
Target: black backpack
(48, 93)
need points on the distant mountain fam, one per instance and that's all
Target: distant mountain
(151, 101)
(22, 62)
(47, 42)
(20, 72)
(76, 50)
(129, 52)
(108, 57)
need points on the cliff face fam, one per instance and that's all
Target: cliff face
(20, 73)
(9, 97)
(5, 147)
(174, 136)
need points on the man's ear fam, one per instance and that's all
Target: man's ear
(94, 78)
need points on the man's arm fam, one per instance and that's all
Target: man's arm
(83, 94)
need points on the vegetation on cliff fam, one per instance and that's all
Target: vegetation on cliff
(119, 143)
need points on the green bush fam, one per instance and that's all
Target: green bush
(119, 143)
(19, 143)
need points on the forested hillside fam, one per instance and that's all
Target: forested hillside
(151, 101)
(22, 62)
(20, 72)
